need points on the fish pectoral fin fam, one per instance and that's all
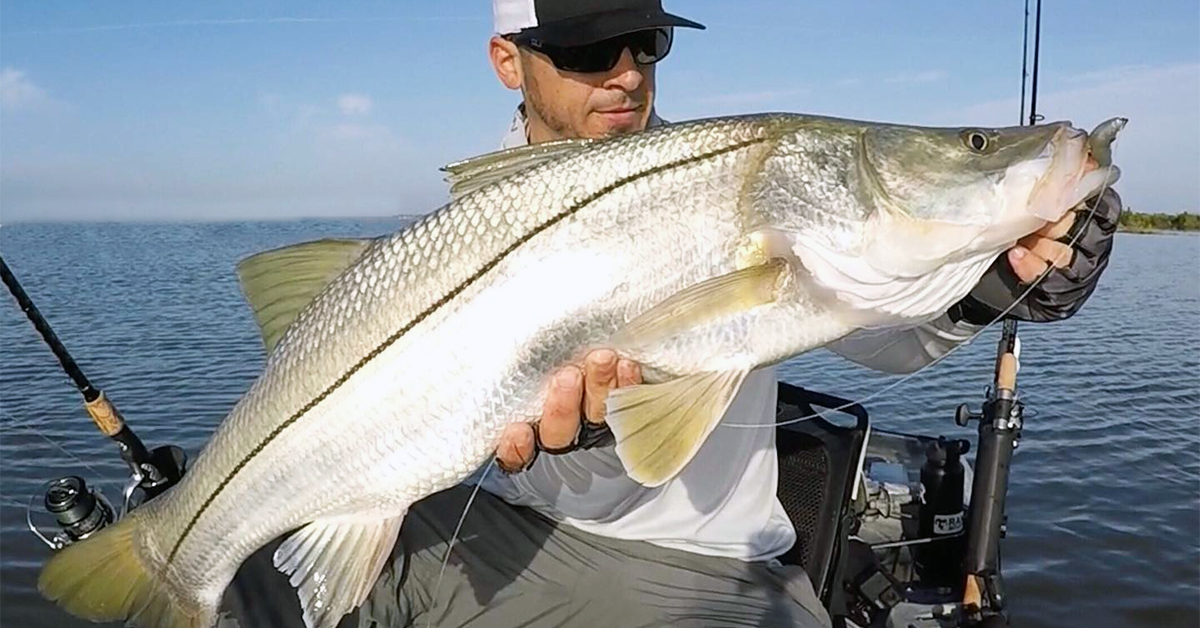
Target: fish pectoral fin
(692, 307)
(280, 282)
(660, 427)
(469, 175)
(334, 562)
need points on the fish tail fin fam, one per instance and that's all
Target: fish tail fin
(107, 578)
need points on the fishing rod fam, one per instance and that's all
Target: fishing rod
(1000, 426)
(1034, 117)
(81, 511)
(104, 414)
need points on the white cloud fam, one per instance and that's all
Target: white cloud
(18, 93)
(354, 104)
(928, 76)
(345, 129)
(322, 176)
(311, 161)
(351, 131)
(1108, 74)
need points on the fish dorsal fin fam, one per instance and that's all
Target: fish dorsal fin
(660, 427)
(280, 282)
(333, 563)
(469, 175)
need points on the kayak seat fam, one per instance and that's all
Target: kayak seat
(818, 468)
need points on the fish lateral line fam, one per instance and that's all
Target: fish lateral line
(429, 311)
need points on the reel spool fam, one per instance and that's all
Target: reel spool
(79, 511)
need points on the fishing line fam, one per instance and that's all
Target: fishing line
(70, 455)
(1000, 317)
(454, 537)
(14, 503)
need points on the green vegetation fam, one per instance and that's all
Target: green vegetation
(1133, 221)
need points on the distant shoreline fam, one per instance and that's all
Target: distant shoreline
(1133, 222)
(1179, 232)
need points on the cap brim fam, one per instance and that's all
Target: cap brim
(589, 29)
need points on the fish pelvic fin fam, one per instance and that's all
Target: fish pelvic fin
(660, 427)
(106, 578)
(333, 563)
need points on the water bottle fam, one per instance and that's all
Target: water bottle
(941, 514)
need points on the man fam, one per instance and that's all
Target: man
(588, 546)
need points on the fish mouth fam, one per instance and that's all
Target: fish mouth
(1080, 168)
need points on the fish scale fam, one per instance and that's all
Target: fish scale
(425, 254)
(398, 378)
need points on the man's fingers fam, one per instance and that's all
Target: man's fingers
(1026, 266)
(1058, 229)
(574, 387)
(599, 377)
(560, 415)
(629, 373)
(517, 447)
(1052, 251)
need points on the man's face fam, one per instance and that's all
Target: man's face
(562, 104)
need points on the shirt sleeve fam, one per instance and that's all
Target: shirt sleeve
(903, 349)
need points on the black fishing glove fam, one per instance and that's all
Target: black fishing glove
(589, 436)
(1064, 290)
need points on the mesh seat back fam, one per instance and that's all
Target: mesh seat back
(818, 466)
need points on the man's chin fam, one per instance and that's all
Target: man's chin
(617, 123)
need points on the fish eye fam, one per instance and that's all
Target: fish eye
(977, 140)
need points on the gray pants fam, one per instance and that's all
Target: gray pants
(512, 567)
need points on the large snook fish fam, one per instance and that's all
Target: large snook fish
(703, 250)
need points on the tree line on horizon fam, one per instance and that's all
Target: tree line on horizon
(1133, 221)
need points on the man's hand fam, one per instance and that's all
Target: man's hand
(1036, 252)
(1075, 250)
(574, 410)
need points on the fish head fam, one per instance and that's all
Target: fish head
(935, 206)
(957, 192)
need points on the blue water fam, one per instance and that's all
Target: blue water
(1104, 506)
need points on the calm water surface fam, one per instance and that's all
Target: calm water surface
(1104, 507)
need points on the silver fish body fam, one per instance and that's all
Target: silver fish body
(397, 380)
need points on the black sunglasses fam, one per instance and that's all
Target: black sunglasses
(647, 47)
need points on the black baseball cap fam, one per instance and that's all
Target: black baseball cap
(579, 22)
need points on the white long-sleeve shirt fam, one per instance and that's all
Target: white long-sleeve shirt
(724, 501)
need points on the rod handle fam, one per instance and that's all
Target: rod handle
(105, 415)
(1006, 372)
(972, 595)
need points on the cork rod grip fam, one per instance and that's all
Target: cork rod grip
(972, 596)
(105, 415)
(1006, 372)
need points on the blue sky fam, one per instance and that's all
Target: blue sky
(231, 110)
